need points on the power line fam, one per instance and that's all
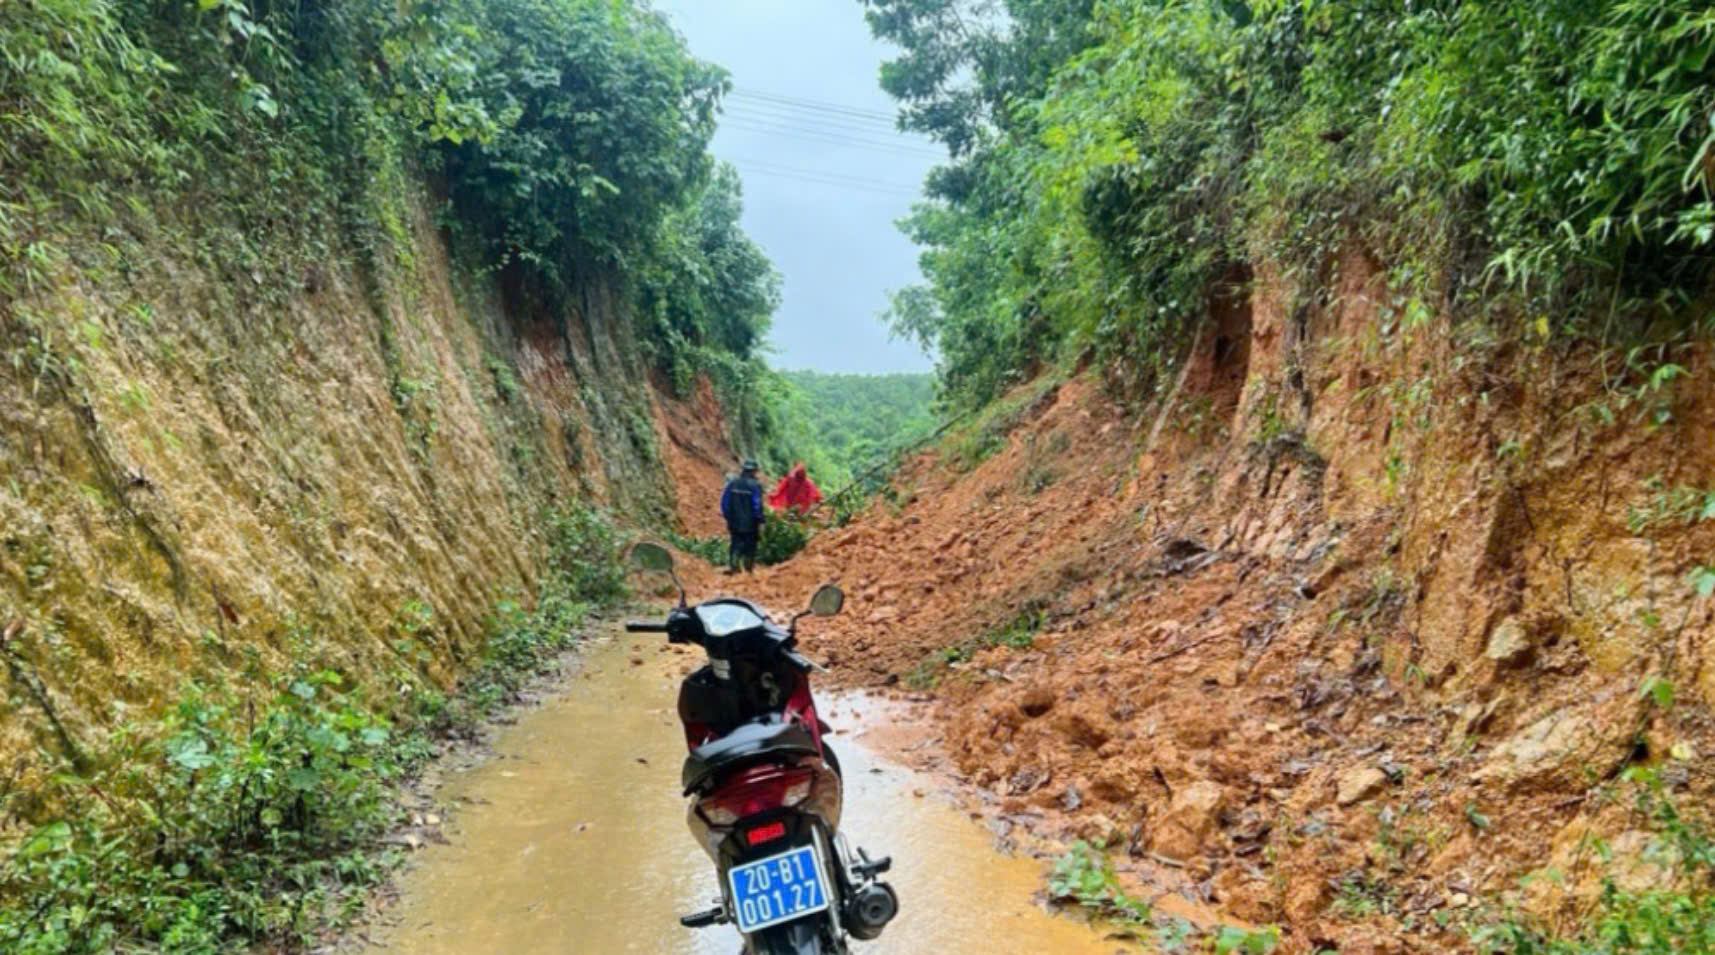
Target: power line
(841, 187)
(768, 165)
(830, 139)
(856, 112)
(832, 184)
(820, 115)
(836, 124)
(751, 167)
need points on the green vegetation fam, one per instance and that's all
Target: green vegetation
(856, 422)
(782, 537)
(985, 432)
(1085, 876)
(1017, 633)
(1675, 914)
(1118, 162)
(265, 140)
(234, 820)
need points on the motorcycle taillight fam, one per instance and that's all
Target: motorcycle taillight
(757, 790)
(766, 833)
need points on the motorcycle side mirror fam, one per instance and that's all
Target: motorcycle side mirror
(828, 601)
(648, 556)
(651, 556)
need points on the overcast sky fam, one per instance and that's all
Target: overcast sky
(825, 175)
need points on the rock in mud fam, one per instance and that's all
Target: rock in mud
(1510, 644)
(1552, 746)
(1025, 780)
(1189, 820)
(1359, 784)
(1071, 799)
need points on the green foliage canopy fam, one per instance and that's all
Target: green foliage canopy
(567, 136)
(1119, 161)
(855, 422)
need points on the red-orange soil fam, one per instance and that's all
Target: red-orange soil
(1283, 676)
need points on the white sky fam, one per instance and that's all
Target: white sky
(822, 187)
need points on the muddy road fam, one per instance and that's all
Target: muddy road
(572, 840)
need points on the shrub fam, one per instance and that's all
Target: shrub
(782, 538)
(222, 823)
(583, 555)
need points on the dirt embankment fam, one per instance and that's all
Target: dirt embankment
(343, 465)
(1346, 632)
(698, 457)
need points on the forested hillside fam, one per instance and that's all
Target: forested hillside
(328, 333)
(562, 136)
(852, 423)
(1540, 169)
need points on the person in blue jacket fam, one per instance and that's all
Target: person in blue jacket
(741, 505)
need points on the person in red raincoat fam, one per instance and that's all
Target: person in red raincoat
(795, 492)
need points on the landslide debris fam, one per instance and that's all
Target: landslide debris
(1278, 690)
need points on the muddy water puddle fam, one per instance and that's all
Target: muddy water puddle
(573, 840)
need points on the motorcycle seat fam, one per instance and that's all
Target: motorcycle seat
(770, 736)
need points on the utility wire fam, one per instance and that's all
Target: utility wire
(769, 165)
(838, 180)
(820, 116)
(830, 139)
(796, 102)
(889, 192)
(740, 111)
(817, 122)
(840, 187)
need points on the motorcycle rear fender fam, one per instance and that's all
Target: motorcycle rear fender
(725, 845)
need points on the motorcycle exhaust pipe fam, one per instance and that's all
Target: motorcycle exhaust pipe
(869, 910)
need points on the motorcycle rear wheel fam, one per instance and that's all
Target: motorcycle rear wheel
(803, 937)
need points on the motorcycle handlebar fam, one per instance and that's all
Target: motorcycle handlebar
(644, 626)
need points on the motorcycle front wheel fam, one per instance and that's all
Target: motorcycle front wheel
(803, 937)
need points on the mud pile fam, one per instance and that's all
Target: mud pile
(1350, 630)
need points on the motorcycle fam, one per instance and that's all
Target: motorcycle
(765, 788)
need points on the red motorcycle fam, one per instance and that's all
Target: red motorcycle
(765, 787)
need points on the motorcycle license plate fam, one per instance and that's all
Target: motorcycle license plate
(778, 889)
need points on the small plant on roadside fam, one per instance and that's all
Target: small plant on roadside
(1085, 875)
(1242, 941)
(925, 675)
(1363, 896)
(781, 539)
(712, 549)
(583, 553)
(1020, 632)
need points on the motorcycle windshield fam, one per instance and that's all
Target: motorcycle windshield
(719, 620)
